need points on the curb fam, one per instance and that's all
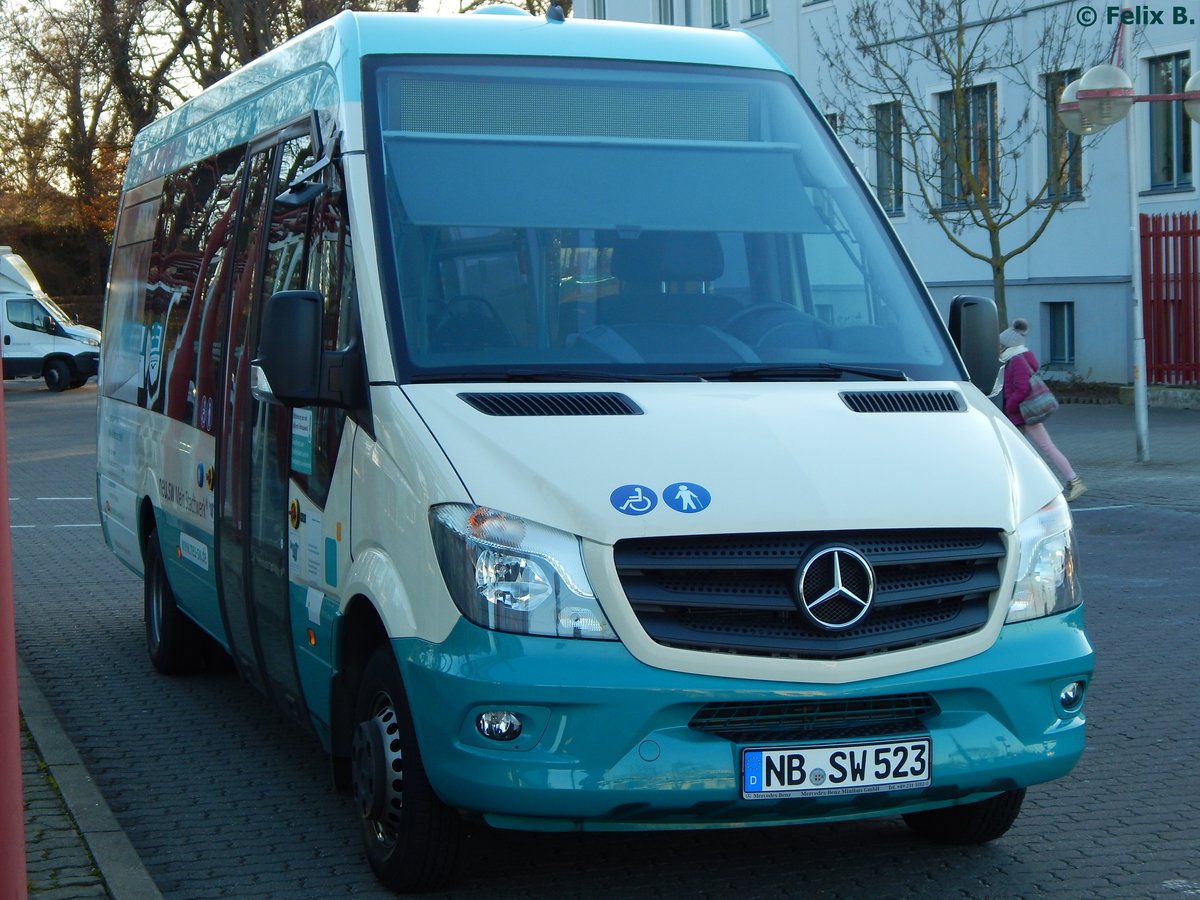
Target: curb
(1163, 396)
(120, 866)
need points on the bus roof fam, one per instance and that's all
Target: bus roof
(320, 70)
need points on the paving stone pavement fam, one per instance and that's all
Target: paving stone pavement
(74, 847)
(57, 859)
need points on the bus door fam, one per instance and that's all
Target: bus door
(256, 436)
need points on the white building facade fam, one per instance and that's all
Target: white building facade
(1075, 283)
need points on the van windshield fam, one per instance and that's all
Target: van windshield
(628, 220)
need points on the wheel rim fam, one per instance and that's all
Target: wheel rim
(378, 772)
(156, 612)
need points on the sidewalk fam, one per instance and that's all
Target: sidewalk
(75, 848)
(1100, 441)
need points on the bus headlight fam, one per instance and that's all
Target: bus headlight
(1047, 581)
(507, 574)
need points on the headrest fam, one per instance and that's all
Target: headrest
(657, 256)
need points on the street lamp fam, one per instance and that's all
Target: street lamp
(1105, 95)
(1071, 114)
(1192, 88)
(1102, 97)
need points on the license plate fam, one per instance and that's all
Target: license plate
(825, 770)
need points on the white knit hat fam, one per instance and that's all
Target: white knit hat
(1014, 334)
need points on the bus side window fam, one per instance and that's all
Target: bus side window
(214, 226)
(121, 352)
(198, 205)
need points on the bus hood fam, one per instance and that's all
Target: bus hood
(699, 458)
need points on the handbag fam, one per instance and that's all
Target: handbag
(1041, 402)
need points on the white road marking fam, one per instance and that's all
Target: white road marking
(1178, 885)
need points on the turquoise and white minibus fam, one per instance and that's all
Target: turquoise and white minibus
(543, 414)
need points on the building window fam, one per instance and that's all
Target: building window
(758, 9)
(1064, 151)
(666, 12)
(968, 130)
(889, 157)
(720, 13)
(1170, 128)
(1062, 333)
(599, 10)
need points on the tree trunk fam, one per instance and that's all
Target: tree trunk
(998, 292)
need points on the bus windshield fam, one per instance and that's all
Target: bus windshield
(630, 220)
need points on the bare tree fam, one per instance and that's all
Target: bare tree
(28, 155)
(62, 45)
(224, 35)
(143, 42)
(960, 150)
(81, 77)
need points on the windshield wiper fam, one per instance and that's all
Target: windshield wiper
(813, 372)
(550, 376)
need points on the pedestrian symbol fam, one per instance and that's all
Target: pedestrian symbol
(686, 497)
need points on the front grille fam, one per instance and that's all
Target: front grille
(815, 720)
(736, 593)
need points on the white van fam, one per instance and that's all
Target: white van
(38, 339)
(545, 416)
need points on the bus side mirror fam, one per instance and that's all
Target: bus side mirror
(975, 330)
(292, 368)
(287, 369)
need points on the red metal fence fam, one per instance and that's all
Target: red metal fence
(1171, 297)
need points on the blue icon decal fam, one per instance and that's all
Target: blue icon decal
(633, 499)
(686, 497)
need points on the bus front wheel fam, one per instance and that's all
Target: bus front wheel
(411, 838)
(971, 823)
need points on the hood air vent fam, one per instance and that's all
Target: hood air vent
(904, 401)
(535, 404)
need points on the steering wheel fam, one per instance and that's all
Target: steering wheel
(760, 323)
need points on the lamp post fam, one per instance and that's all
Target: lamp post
(1102, 97)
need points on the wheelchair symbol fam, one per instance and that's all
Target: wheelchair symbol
(633, 499)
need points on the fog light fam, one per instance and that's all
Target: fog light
(498, 725)
(1072, 695)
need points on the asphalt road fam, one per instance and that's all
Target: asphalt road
(223, 797)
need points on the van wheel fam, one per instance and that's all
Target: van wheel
(172, 640)
(972, 823)
(57, 375)
(411, 838)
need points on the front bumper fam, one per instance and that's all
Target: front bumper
(87, 364)
(606, 744)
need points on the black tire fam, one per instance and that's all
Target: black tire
(972, 823)
(78, 381)
(172, 639)
(58, 375)
(411, 838)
